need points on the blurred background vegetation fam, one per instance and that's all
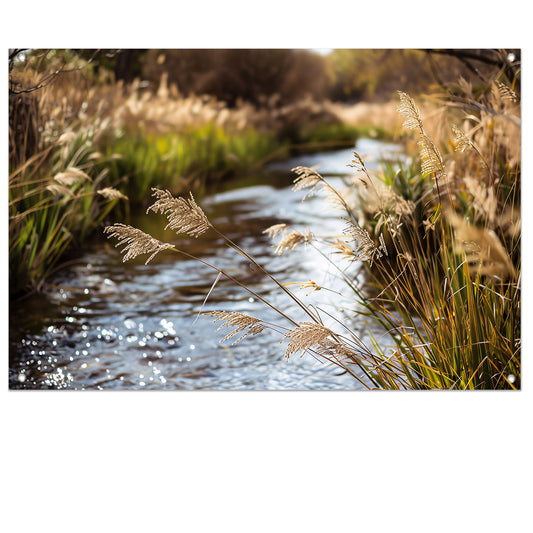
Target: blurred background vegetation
(254, 75)
(91, 131)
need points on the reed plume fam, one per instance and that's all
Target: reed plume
(184, 216)
(288, 241)
(305, 336)
(308, 178)
(366, 249)
(292, 240)
(137, 242)
(238, 320)
(59, 190)
(430, 158)
(358, 163)
(71, 176)
(409, 110)
(275, 230)
(462, 141)
(110, 193)
(506, 93)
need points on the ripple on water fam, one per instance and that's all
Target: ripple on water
(104, 325)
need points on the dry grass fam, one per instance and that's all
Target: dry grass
(374, 115)
(80, 145)
(184, 216)
(442, 242)
(137, 242)
(448, 277)
(239, 321)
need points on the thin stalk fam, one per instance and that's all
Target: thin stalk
(250, 258)
(236, 281)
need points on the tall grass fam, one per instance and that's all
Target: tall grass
(54, 201)
(441, 241)
(185, 160)
(80, 134)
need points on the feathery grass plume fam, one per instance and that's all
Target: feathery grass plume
(346, 251)
(337, 351)
(292, 240)
(340, 199)
(184, 216)
(71, 176)
(111, 194)
(305, 336)
(308, 178)
(60, 190)
(366, 250)
(506, 93)
(408, 109)
(358, 163)
(275, 230)
(432, 163)
(461, 141)
(383, 198)
(238, 320)
(137, 242)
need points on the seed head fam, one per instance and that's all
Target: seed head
(184, 215)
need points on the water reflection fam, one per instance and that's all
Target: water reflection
(103, 324)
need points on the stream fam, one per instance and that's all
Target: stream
(101, 324)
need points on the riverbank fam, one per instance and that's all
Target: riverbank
(447, 290)
(103, 324)
(99, 150)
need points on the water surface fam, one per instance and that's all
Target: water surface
(102, 324)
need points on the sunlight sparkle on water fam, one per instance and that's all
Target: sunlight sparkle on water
(168, 326)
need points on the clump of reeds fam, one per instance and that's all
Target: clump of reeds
(58, 196)
(453, 277)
